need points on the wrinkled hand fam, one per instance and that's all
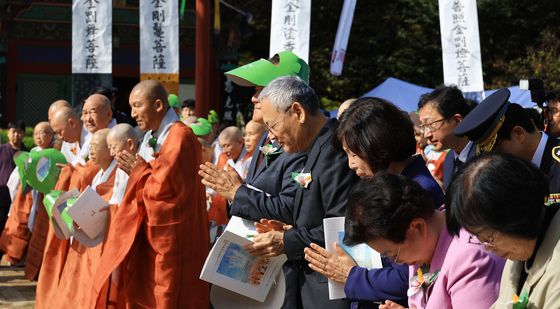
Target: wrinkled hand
(333, 266)
(269, 244)
(127, 161)
(266, 225)
(390, 305)
(224, 182)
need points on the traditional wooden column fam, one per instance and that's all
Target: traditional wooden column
(203, 56)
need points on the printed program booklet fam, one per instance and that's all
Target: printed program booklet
(230, 266)
(87, 212)
(362, 254)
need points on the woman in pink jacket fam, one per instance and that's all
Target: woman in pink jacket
(396, 217)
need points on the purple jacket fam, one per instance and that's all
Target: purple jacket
(469, 275)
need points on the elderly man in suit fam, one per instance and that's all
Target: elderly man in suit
(290, 110)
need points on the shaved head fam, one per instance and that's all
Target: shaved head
(344, 106)
(253, 132)
(231, 140)
(148, 103)
(43, 135)
(67, 124)
(98, 149)
(231, 133)
(122, 137)
(57, 105)
(97, 113)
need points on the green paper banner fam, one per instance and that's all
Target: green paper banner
(22, 159)
(42, 170)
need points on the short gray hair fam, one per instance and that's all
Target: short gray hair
(284, 91)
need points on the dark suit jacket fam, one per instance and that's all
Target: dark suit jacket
(449, 165)
(275, 180)
(549, 166)
(325, 196)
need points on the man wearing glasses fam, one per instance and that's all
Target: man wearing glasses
(440, 112)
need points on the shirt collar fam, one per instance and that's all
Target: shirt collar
(537, 156)
(464, 155)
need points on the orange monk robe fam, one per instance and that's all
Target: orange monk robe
(56, 249)
(75, 286)
(16, 234)
(217, 214)
(37, 242)
(160, 232)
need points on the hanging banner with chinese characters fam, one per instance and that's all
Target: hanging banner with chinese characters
(92, 47)
(289, 27)
(460, 44)
(159, 42)
(342, 35)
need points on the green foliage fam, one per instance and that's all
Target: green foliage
(27, 139)
(401, 38)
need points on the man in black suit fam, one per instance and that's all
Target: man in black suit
(291, 112)
(498, 125)
(440, 111)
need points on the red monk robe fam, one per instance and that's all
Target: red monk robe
(56, 249)
(75, 286)
(16, 234)
(160, 232)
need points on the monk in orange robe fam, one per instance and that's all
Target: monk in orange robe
(159, 235)
(68, 125)
(16, 234)
(75, 285)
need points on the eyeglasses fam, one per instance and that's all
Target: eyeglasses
(395, 258)
(432, 126)
(273, 128)
(490, 240)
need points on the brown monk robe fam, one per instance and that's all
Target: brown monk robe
(160, 233)
(16, 234)
(56, 249)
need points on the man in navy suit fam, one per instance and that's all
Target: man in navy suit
(440, 112)
(291, 112)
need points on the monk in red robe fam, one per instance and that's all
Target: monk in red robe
(159, 235)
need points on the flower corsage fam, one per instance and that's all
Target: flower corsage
(270, 153)
(421, 282)
(302, 179)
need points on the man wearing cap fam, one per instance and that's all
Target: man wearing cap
(498, 125)
(271, 168)
(440, 112)
(174, 103)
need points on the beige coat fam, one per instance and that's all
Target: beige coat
(543, 280)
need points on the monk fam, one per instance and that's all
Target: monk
(67, 124)
(17, 232)
(231, 142)
(75, 286)
(159, 234)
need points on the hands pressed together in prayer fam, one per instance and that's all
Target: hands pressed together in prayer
(333, 266)
(224, 182)
(270, 240)
(127, 161)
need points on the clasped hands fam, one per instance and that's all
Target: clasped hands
(127, 161)
(225, 182)
(270, 240)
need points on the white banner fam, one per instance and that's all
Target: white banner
(460, 44)
(92, 22)
(159, 36)
(342, 35)
(289, 27)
